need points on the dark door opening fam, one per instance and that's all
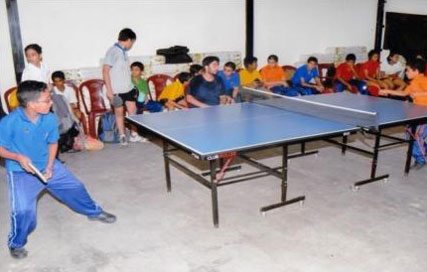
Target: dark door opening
(406, 34)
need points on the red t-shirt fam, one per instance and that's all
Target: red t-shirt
(372, 67)
(344, 72)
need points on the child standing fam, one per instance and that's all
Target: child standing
(35, 69)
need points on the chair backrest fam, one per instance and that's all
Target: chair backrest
(11, 99)
(71, 84)
(96, 97)
(323, 70)
(289, 71)
(159, 82)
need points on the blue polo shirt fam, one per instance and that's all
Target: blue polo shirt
(19, 135)
(231, 82)
(303, 72)
(207, 92)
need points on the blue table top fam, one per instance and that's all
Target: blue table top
(213, 130)
(389, 111)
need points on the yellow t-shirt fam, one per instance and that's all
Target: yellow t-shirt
(247, 77)
(418, 85)
(172, 91)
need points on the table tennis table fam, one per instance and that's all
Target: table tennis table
(219, 134)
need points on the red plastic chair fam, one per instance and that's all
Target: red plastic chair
(159, 81)
(96, 99)
(324, 77)
(71, 84)
(289, 72)
(7, 96)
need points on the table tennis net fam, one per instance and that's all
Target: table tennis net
(344, 115)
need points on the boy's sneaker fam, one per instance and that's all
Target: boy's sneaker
(104, 217)
(18, 253)
(135, 138)
(123, 141)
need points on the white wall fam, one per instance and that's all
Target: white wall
(407, 6)
(77, 33)
(290, 28)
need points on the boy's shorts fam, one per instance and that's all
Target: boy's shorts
(120, 99)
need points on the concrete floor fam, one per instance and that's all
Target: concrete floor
(382, 227)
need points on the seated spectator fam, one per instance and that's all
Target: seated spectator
(250, 77)
(207, 89)
(143, 100)
(274, 78)
(370, 71)
(306, 78)
(346, 76)
(417, 89)
(231, 80)
(59, 88)
(392, 71)
(173, 95)
(195, 69)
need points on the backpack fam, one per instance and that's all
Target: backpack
(107, 128)
(175, 54)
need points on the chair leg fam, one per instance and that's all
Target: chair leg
(92, 125)
(84, 124)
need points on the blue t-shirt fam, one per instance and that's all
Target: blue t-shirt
(207, 92)
(303, 72)
(231, 82)
(20, 135)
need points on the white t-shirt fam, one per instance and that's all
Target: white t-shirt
(391, 69)
(68, 93)
(32, 72)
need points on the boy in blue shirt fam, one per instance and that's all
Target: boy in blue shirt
(29, 138)
(306, 78)
(230, 79)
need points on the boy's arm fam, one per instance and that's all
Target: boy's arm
(21, 159)
(107, 80)
(192, 100)
(53, 149)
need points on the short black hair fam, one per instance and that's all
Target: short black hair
(29, 90)
(273, 57)
(183, 77)
(35, 47)
(249, 60)
(311, 58)
(195, 68)
(208, 60)
(138, 64)
(392, 54)
(58, 74)
(126, 34)
(231, 65)
(417, 64)
(372, 53)
(350, 56)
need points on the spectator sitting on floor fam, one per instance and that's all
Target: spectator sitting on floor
(231, 80)
(274, 78)
(207, 89)
(306, 78)
(173, 95)
(250, 77)
(346, 76)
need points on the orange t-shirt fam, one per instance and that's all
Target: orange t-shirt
(270, 74)
(418, 85)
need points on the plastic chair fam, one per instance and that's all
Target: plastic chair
(82, 119)
(96, 99)
(159, 81)
(289, 72)
(10, 99)
(326, 77)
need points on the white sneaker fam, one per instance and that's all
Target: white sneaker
(137, 139)
(123, 141)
